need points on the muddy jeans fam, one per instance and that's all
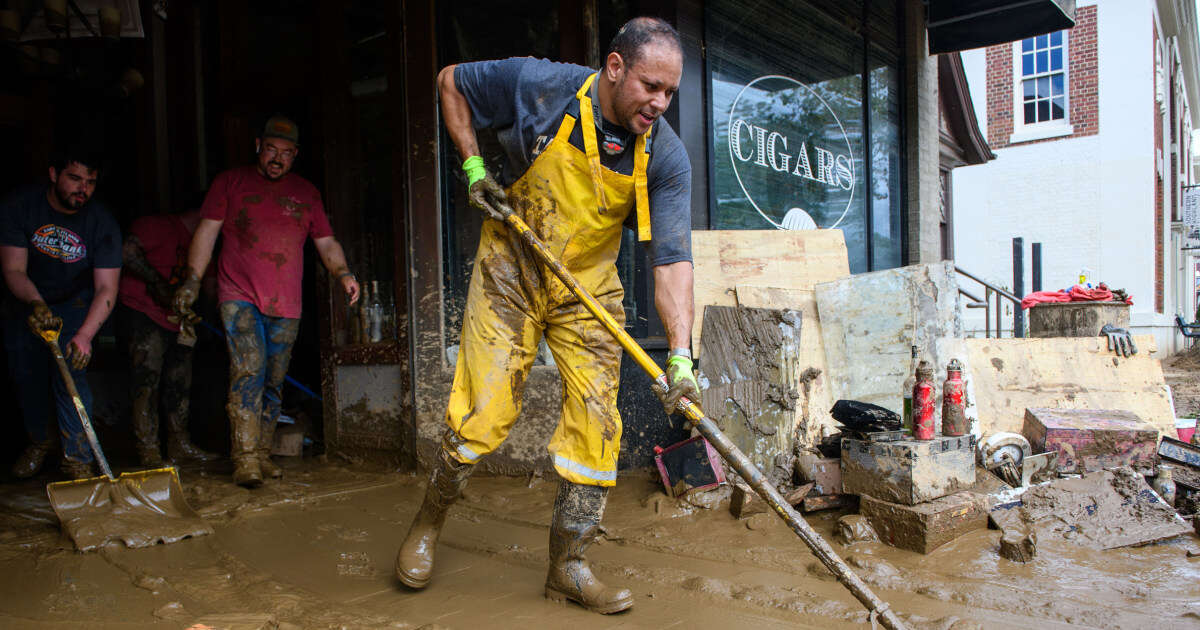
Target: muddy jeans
(160, 375)
(260, 348)
(35, 377)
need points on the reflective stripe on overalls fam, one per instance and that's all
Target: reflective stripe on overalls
(576, 206)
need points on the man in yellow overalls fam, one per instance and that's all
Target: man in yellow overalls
(585, 151)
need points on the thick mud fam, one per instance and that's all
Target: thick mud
(315, 550)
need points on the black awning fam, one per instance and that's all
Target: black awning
(964, 24)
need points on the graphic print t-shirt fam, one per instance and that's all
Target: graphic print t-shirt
(63, 248)
(266, 222)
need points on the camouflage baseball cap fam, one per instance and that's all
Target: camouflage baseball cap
(280, 127)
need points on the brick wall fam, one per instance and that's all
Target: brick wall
(1082, 74)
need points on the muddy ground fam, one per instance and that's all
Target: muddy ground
(315, 550)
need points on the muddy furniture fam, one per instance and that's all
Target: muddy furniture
(1092, 439)
(1076, 319)
(908, 471)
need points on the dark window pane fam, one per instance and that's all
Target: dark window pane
(1042, 64)
(1056, 109)
(1029, 114)
(1056, 38)
(1043, 110)
(1041, 41)
(1056, 55)
(1043, 87)
(886, 202)
(1027, 63)
(1027, 45)
(1029, 89)
(1056, 85)
(787, 121)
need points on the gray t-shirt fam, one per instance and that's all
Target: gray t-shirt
(523, 99)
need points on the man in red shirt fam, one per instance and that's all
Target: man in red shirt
(155, 256)
(265, 212)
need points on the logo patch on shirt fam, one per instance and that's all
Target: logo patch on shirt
(59, 242)
(540, 145)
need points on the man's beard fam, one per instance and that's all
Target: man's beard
(282, 171)
(70, 201)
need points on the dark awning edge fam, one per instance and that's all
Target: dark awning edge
(956, 25)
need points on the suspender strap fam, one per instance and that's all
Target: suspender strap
(641, 157)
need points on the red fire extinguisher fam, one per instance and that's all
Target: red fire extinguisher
(923, 402)
(954, 419)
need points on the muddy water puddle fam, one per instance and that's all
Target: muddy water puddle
(316, 550)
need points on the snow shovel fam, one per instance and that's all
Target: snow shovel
(729, 451)
(138, 508)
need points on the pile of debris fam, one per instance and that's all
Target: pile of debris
(1057, 436)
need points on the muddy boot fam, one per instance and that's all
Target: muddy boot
(414, 562)
(181, 448)
(149, 455)
(575, 524)
(72, 469)
(245, 428)
(266, 440)
(145, 428)
(30, 461)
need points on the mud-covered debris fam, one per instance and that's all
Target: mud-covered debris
(854, 528)
(169, 611)
(1018, 545)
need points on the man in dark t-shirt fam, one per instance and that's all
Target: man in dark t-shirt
(586, 153)
(60, 253)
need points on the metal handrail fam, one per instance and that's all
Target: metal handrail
(988, 290)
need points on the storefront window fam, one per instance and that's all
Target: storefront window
(789, 117)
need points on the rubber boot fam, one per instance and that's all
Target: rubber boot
(414, 561)
(266, 440)
(72, 469)
(31, 460)
(576, 523)
(145, 428)
(179, 444)
(181, 448)
(245, 430)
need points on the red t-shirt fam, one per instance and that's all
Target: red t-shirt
(165, 240)
(266, 222)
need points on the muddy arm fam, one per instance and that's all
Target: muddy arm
(334, 259)
(673, 297)
(134, 259)
(14, 261)
(456, 113)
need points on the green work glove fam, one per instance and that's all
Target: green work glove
(41, 318)
(484, 193)
(681, 382)
(185, 296)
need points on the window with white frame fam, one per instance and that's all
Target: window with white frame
(1043, 79)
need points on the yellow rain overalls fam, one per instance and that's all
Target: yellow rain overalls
(577, 207)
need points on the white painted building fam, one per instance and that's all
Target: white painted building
(1089, 127)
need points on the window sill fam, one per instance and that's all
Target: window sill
(1029, 134)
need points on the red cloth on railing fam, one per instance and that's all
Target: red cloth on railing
(1041, 297)
(1077, 293)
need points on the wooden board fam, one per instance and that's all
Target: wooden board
(812, 410)
(794, 259)
(750, 388)
(1066, 372)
